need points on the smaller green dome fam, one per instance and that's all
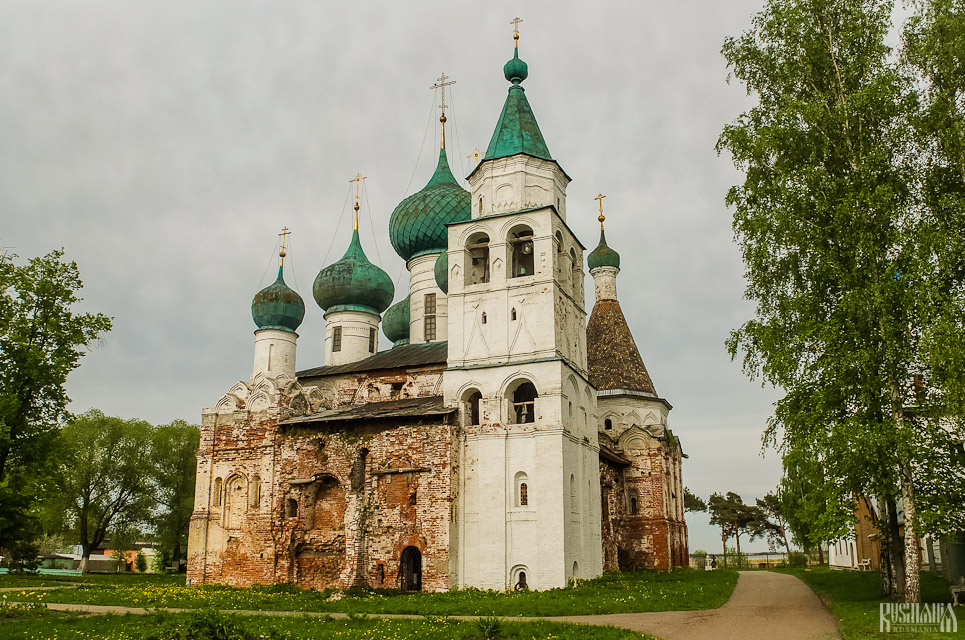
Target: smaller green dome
(441, 271)
(603, 256)
(516, 70)
(395, 322)
(278, 307)
(353, 283)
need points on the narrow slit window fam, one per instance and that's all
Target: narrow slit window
(336, 339)
(523, 495)
(484, 317)
(373, 339)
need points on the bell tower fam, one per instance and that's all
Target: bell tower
(517, 368)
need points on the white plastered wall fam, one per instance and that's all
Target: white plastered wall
(356, 327)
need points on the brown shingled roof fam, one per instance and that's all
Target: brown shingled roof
(612, 356)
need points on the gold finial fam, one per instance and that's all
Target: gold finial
(281, 254)
(474, 154)
(602, 217)
(442, 83)
(515, 22)
(358, 181)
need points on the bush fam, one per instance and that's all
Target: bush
(490, 626)
(140, 562)
(797, 559)
(23, 557)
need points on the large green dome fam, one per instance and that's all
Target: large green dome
(603, 255)
(418, 224)
(278, 307)
(353, 283)
(395, 322)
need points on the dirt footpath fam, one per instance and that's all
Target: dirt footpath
(764, 606)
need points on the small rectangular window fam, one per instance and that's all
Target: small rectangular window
(337, 339)
(429, 311)
(373, 339)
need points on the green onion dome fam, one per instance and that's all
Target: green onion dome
(395, 322)
(353, 283)
(603, 256)
(441, 271)
(516, 70)
(278, 307)
(418, 224)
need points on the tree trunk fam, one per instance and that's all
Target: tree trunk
(897, 559)
(723, 544)
(886, 568)
(912, 556)
(737, 536)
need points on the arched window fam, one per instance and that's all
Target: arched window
(524, 404)
(291, 508)
(216, 493)
(523, 252)
(633, 506)
(473, 415)
(477, 270)
(512, 314)
(484, 317)
(480, 205)
(608, 424)
(522, 489)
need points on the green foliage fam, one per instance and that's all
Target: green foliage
(103, 476)
(797, 559)
(24, 557)
(693, 502)
(173, 459)
(206, 624)
(490, 626)
(140, 562)
(772, 523)
(734, 518)
(851, 225)
(41, 341)
(20, 610)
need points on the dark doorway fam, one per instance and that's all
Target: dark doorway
(410, 570)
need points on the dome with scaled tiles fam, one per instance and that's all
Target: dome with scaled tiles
(278, 307)
(418, 224)
(353, 283)
(395, 322)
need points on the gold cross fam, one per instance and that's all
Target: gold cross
(284, 236)
(515, 22)
(474, 154)
(358, 181)
(441, 83)
(602, 217)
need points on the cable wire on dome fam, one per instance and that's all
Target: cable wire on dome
(338, 226)
(365, 195)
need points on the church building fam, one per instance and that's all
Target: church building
(504, 441)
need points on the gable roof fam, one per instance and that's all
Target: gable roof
(408, 355)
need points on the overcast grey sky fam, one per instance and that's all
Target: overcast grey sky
(164, 145)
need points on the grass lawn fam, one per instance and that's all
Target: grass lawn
(854, 596)
(207, 624)
(11, 580)
(683, 589)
